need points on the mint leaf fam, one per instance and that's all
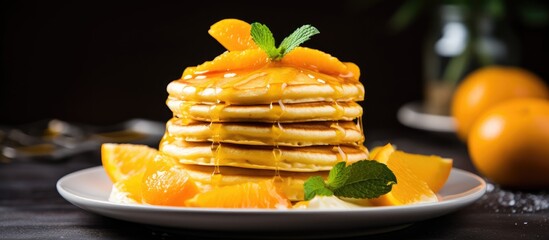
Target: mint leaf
(362, 179)
(298, 37)
(263, 37)
(315, 186)
(367, 179)
(338, 175)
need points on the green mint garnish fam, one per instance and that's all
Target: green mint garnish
(263, 37)
(362, 179)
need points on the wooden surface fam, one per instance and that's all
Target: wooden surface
(31, 208)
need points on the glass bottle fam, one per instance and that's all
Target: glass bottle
(462, 39)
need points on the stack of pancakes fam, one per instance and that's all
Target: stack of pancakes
(240, 126)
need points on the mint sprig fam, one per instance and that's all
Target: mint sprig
(362, 179)
(263, 37)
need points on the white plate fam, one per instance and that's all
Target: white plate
(413, 115)
(89, 189)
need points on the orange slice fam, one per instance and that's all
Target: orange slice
(408, 190)
(264, 194)
(434, 170)
(123, 160)
(233, 34)
(235, 60)
(315, 60)
(353, 71)
(412, 187)
(165, 182)
(381, 154)
(130, 187)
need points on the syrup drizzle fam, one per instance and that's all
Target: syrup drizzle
(216, 148)
(340, 132)
(275, 89)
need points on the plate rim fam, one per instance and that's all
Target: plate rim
(410, 116)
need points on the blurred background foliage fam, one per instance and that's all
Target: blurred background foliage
(105, 62)
(533, 13)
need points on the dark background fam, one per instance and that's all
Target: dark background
(105, 62)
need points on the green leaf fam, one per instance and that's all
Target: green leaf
(338, 175)
(295, 39)
(367, 179)
(315, 186)
(362, 179)
(263, 37)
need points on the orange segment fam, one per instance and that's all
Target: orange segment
(166, 183)
(418, 176)
(123, 160)
(130, 187)
(382, 154)
(353, 71)
(235, 60)
(233, 34)
(434, 170)
(315, 60)
(264, 194)
(409, 189)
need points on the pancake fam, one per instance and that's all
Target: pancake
(291, 182)
(296, 159)
(282, 134)
(266, 85)
(296, 112)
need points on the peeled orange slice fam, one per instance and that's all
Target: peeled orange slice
(128, 190)
(382, 154)
(418, 176)
(123, 160)
(166, 182)
(316, 60)
(264, 194)
(233, 34)
(353, 71)
(235, 60)
(434, 170)
(408, 190)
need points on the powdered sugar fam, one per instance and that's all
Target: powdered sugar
(514, 201)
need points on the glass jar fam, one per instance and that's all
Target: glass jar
(461, 40)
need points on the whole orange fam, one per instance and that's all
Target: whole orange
(489, 86)
(509, 143)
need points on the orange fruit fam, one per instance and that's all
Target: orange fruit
(433, 170)
(165, 182)
(409, 189)
(233, 34)
(382, 154)
(235, 60)
(123, 160)
(129, 188)
(263, 194)
(315, 60)
(489, 86)
(353, 69)
(418, 176)
(509, 143)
